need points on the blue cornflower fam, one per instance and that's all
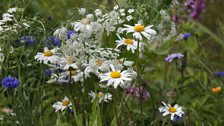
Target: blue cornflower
(178, 119)
(186, 36)
(56, 41)
(183, 36)
(71, 32)
(10, 82)
(219, 74)
(53, 40)
(29, 39)
(49, 72)
(173, 56)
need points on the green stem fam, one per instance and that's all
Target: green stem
(138, 74)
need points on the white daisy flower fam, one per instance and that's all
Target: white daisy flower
(130, 43)
(68, 62)
(94, 66)
(62, 105)
(116, 77)
(48, 56)
(168, 109)
(138, 30)
(101, 96)
(75, 75)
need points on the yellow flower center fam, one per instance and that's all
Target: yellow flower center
(65, 102)
(48, 53)
(100, 94)
(119, 61)
(129, 41)
(139, 28)
(217, 89)
(115, 74)
(72, 72)
(172, 109)
(99, 62)
(70, 60)
(86, 21)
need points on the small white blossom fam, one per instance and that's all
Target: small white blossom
(11, 10)
(129, 18)
(90, 16)
(82, 11)
(131, 11)
(61, 33)
(116, 7)
(98, 13)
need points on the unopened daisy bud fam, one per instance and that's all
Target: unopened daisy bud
(171, 93)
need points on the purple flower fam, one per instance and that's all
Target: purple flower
(27, 39)
(186, 36)
(71, 32)
(194, 7)
(219, 74)
(49, 72)
(141, 94)
(10, 82)
(176, 19)
(49, 18)
(173, 56)
(178, 119)
(130, 90)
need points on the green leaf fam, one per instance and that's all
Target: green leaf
(164, 48)
(95, 118)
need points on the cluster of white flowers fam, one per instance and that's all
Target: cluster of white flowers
(166, 23)
(83, 52)
(11, 23)
(6, 19)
